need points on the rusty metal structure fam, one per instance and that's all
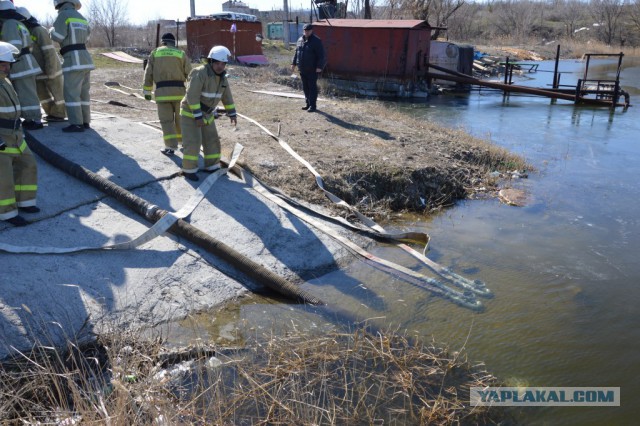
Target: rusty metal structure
(377, 57)
(607, 90)
(242, 38)
(598, 92)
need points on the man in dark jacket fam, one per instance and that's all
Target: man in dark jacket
(309, 58)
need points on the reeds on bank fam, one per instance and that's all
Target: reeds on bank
(341, 378)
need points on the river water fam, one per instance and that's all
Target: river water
(564, 269)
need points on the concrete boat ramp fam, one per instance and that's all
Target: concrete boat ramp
(47, 298)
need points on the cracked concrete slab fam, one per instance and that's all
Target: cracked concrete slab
(47, 298)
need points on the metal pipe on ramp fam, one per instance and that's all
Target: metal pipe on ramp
(466, 79)
(181, 228)
(462, 78)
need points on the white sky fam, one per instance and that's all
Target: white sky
(143, 11)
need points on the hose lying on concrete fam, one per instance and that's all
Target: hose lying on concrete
(400, 239)
(181, 228)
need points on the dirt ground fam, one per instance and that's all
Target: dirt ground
(369, 153)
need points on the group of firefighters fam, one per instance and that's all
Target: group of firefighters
(32, 77)
(186, 98)
(187, 112)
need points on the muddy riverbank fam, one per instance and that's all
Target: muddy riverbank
(370, 154)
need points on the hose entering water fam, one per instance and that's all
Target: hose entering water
(181, 228)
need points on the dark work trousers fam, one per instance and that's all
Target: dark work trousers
(310, 88)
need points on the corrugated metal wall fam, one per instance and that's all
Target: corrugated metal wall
(398, 50)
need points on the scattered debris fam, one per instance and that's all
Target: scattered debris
(513, 197)
(122, 57)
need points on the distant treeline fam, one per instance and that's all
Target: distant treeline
(614, 23)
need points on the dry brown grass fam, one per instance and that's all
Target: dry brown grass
(380, 163)
(534, 51)
(89, 383)
(370, 153)
(577, 49)
(354, 378)
(341, 378)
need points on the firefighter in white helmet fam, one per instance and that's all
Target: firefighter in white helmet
(49, 83)
(167, 67)
(72, 31)
(25, 69)
(207, 86)
(18, 172)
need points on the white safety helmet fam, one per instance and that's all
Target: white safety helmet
(24, 12)
(219, 53)
(8, 52)
(7, 5)
(58, 3)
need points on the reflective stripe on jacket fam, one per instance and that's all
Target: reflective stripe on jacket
(17, 34)
(204, 90)
(170, 66)
(70, 28)
(45, 53)
(9, 111)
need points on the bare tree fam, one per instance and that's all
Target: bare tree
(393, 5)
(466, 23)
(367, 9)
(513, 18)
(571, 13)
(436, 12)
(607, 15)
(361, 8)
(443, 10)
(634, 14)
(107, 16)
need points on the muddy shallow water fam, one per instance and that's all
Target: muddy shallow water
(563, 268)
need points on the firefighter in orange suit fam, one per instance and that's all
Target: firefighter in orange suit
(18, 172)
(167, 67)
(206, 87)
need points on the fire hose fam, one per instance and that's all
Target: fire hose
(180, 228)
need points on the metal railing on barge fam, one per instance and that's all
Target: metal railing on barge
(599, 92)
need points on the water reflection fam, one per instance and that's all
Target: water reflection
(564, 268)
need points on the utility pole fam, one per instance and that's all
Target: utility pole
(285, 24)
(193, 8)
